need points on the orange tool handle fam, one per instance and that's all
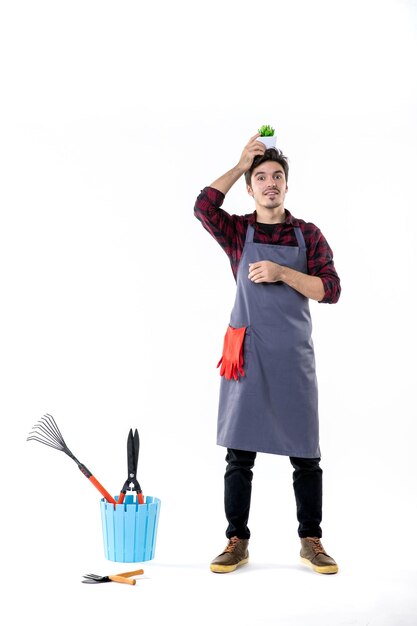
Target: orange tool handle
(122, 579)
(137, 572)
(101, 489)
(121, 498)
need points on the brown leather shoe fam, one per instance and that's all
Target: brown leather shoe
(235, 554)
(314, 555)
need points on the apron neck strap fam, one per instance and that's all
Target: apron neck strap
(249, 234)
(300, 239)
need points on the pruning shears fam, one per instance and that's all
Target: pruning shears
(132, 483)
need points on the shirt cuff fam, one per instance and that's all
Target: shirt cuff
(215, 196)
(331, 293)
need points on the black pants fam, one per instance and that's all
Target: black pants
(307, 482)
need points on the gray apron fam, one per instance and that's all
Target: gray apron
(274, 407)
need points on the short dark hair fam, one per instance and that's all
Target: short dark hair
(270, 154)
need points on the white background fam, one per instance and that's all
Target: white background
(113, 116)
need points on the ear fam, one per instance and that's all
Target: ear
(249, 190)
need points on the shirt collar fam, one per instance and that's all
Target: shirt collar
(289, 219)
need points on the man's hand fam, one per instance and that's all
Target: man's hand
(265, 272)
(269, 272)
(252, 149)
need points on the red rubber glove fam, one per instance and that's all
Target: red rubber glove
(232, 357)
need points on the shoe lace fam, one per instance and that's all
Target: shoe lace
(316, 545)
(231, 546)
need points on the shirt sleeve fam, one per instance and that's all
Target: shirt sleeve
(226, 229)
(320, 263)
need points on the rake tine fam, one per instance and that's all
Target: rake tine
(47, 432)
(94, 578)
(51, 445)
(41, 433)
(93, 581)
(49, 428)
(54, 426)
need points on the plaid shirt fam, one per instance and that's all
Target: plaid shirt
(230, 232)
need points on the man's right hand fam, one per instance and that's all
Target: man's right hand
(252, 149)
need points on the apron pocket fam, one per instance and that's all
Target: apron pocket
(231, 361)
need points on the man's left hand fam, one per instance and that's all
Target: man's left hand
(264, 272)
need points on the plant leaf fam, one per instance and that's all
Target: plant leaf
(266, 131)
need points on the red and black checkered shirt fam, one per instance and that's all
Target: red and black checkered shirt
(230, 232)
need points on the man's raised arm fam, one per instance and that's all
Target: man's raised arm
(252, 149)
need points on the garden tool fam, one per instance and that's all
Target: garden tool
(47, 432)
(132, 483)
(116, 578)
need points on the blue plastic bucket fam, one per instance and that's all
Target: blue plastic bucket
(130, 529)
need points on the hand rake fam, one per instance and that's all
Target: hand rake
(47, 432)
(116, 578)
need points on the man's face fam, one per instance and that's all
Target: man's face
(268, 185)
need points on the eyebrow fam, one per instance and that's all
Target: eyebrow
(281, 171)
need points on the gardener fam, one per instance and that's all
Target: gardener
(268, 393)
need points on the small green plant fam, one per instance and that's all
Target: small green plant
(266, 131)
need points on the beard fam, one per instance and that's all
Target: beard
(271, 203)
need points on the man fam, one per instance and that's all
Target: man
(268, 393)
